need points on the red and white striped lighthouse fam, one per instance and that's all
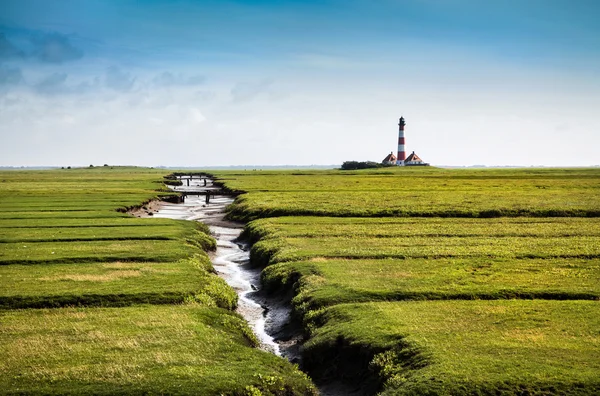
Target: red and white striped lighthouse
(401, 153)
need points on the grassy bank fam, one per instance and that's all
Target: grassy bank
(429, 281)
(175, 349)
(463, 347)
(424, 192)
(337, 260)
(66, 243)
(113, 284)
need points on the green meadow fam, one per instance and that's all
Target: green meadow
(416, 192)
(417, 281)
(147, 349)
(406, 281)
(95, 301)
(506, 347)
(323, 283)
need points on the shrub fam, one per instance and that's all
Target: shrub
(354, 165)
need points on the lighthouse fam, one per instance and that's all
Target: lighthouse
(402, 159)
(401, 153)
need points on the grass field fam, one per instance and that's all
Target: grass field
(318, 227)
(329, 282)
(290, 249)
(358, 259)
(416, 192)
(464, 347)
(136, 307)
(172, 349)
(444, 282)
(409, 281)
(113, 284)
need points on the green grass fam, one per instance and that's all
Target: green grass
(393, 236)
(113, 284)
(317, 227)
(55, 213)
(336, 260)
(463, 347)
(9, 225)
(416, 192)
(290, 249)
(66, 242)
(50, 241)
(102, 260)
(79, 193)
(52, 233)
(301, 238)
(431, 281)
(321, 283)
(99, 251)
(138, 350)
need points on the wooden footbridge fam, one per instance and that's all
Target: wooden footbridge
(201, 185)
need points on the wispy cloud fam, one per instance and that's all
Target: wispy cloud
(55, 48)
(52, 84)
(10, 75)
(8, 50)
(119, 80)
(333, 62)
(167, 79)
(46, 47)
(246, 91)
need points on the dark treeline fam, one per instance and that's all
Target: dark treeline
(353, 165)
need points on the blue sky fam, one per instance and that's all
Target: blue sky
(200, 83)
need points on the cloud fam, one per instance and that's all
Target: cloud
(52, 84)
(243, 92)
(196, 115)
(55, 48)
(57, 84)
(8, 50)
(166, 79)
(332, 62)
(118, 80)
(10, 76)
(205, 96)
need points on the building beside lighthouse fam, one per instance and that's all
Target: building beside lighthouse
(390, 159)
(413, 159)
(401, 159)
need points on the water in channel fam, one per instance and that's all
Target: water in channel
(231, 259)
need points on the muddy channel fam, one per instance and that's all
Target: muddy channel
(267, 316)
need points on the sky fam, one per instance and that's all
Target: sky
(286, 82)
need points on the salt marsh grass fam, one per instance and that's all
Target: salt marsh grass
(397, 192)
(66, 243)
(171, 349)
(429, 281)
(465, 347)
